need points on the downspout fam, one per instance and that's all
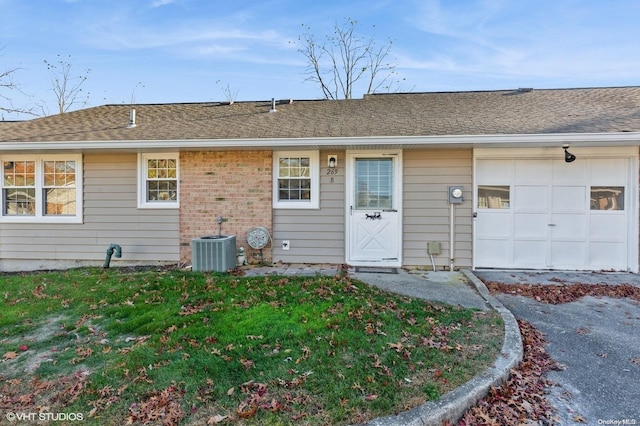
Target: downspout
(114, 249)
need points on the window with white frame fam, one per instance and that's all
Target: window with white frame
(296, 182)
(43, 188)
(158, 180)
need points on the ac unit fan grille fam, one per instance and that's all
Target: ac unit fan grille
(213, 254)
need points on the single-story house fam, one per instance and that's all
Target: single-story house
(525, 178)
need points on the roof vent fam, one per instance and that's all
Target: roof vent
(273, 105)
(132, 119)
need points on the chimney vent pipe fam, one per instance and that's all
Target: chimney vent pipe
(132, 118)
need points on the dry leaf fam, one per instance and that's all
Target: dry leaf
(10, 355)
(579, 419)
(216, 419)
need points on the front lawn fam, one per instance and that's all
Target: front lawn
(175, 347)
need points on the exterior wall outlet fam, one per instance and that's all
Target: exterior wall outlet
(285, 245)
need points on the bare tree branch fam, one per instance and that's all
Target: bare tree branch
(66, 86)
(7, 84)
(344, 59)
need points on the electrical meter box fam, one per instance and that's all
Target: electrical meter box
(455, 194)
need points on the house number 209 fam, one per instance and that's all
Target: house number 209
(332, 171)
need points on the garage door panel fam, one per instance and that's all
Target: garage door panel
(612, 171)
(569, 173)
(567, 254)
(549, 221)
(532, 171)
(569, 198)
(530, 254)
(530, 198)
(493, 225)
(608, 255)
(608, 226)
(569, 227)
(530, 225)
(493, 172)
(493, 253)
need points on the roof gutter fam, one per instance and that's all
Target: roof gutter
(406, 142)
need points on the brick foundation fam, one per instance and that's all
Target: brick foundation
(235, 185)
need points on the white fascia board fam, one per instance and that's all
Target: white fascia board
(462, 141)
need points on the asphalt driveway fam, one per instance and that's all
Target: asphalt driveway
(597, 340)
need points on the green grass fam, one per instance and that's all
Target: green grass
(122, 346)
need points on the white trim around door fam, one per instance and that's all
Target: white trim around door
(373, 221)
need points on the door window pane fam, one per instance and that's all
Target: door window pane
(493, 197)
(607, 198)
(374, 183)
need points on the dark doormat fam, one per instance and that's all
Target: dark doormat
(376, 270)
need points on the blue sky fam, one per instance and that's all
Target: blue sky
(191, 50)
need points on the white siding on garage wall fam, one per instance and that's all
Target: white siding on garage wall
(315, 235)
(427, 177)
(110, 216)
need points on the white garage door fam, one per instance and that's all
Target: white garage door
(548, 214)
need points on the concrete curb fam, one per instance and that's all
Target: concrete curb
(454, 404)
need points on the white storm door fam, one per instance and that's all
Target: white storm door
(374, 200)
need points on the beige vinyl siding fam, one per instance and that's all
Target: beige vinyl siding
(427, 177)
(110, 216)
(316, 235)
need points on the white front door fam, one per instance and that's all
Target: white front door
(374, 202)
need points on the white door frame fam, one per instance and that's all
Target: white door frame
(351, 155)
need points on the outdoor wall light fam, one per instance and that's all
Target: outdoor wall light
(568, 157)
(332, 161)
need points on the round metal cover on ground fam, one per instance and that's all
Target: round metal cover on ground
(258, 237)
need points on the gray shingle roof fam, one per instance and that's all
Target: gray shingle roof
(549, 111)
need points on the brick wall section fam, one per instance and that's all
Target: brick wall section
(235, 185)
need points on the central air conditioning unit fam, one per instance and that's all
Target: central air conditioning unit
(213, 253)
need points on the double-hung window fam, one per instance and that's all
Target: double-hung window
(296, 182)
(45, 188)
(158, 180)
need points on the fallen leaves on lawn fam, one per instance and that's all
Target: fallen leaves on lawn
(161, 407)
(21, 395)
(522, 397)
(193, 309)
(557, 294)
